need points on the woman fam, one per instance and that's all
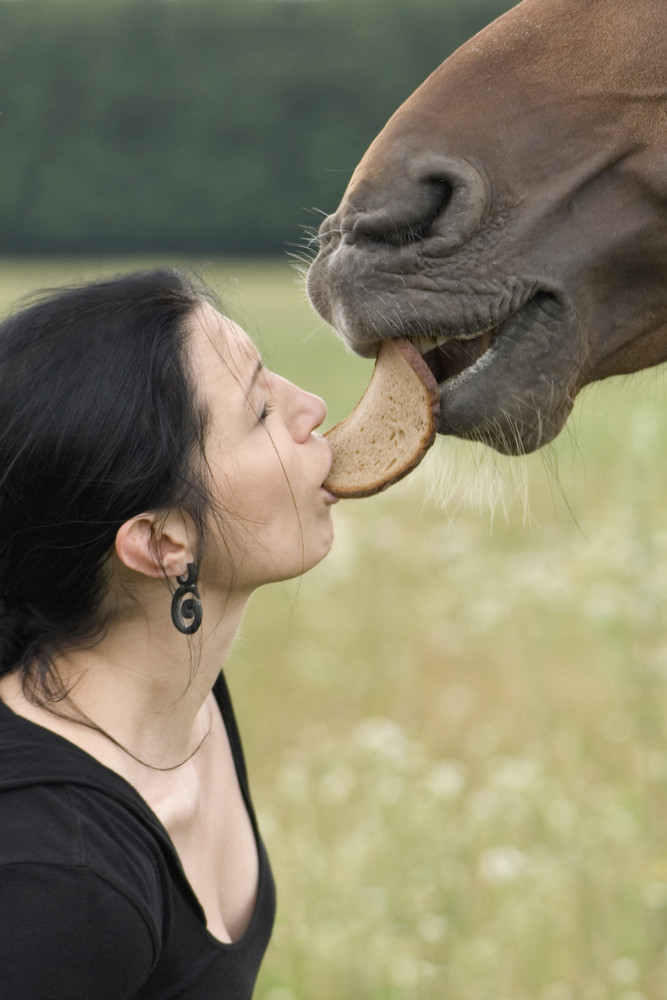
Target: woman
(153, 473)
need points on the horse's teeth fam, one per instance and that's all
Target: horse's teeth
(426, 344)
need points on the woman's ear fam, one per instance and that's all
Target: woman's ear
(155, 545)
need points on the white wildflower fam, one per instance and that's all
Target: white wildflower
(501, 864)
(446, 779)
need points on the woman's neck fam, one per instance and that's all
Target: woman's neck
(138, 698)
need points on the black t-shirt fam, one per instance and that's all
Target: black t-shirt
(94, 903)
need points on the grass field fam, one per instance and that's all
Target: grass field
(455, 726)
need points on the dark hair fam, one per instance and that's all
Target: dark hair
(99, 421)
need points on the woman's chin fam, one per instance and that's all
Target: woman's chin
(315, 554)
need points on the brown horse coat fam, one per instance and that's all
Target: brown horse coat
(513, 212)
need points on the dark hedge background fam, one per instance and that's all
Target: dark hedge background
(214, 126)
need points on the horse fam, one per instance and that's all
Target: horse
(510, 219)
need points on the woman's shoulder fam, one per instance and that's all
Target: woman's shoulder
(67, 933)
(60, 807)
(79, 851)
(74, 857)
(76, 826)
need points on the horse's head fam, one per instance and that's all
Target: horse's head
(514, 211)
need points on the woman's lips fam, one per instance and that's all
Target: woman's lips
(328, 496)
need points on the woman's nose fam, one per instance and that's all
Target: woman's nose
(304, 412)
(320, 410)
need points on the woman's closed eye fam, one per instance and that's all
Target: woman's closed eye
(267, 408)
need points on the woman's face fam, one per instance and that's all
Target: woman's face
(266, 462)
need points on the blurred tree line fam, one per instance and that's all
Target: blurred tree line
(200, 125)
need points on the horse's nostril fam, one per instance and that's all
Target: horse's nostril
(436, 196)
(440, 191)
(428, 201)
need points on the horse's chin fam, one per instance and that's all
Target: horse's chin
(503, 386)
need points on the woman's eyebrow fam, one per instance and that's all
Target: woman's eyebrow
(257, 370)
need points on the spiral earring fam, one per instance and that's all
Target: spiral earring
(186, 611)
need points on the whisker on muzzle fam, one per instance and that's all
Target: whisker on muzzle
(468, 476)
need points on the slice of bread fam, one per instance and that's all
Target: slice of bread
(391, 428)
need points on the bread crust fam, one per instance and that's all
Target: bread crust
(390, 429)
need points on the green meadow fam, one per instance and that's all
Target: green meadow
(455, 725)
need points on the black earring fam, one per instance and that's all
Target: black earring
(186, 611)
